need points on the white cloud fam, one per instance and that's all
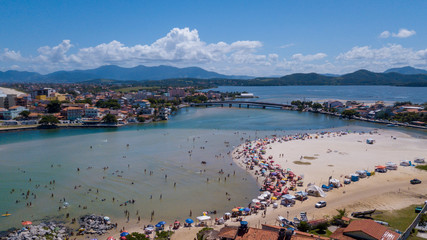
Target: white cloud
(385, 34)
(379, 59)
(404, 33)
(183, 48)
(287, 45)
(308, 58)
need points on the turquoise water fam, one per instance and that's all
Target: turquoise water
(208, 133)
(286, 94)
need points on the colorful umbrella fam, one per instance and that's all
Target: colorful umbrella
(26, 223)
(123, 234)
(189, 220)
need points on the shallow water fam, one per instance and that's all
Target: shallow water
(209, 133)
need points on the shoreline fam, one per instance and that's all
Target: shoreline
(387, 191)
(392, 186)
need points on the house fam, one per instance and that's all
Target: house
(334, 104)
(267, 232)
(74, 113)
(91, 112)
(12, 113)
(365, 229)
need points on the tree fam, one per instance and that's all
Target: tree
(24, 114)
(349, 113)
(140, 119)
(53, 106)
(110, 119)
(317, 106)
(86, 100)
(49, 120)
(303, 226)
(111, 103)
(136, 236)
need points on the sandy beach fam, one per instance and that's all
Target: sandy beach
(10, 91)
(340, 155)
(336, 155)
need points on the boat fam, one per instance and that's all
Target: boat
(6, 215)
(363, 213)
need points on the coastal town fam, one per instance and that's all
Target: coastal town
(99, 105)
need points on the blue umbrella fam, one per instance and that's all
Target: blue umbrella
(123, 234)
(189, 220)
(247, 209)
(162, 223)
(158, 225)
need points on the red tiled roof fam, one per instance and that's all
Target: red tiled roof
(258, 234)
(338, 234)
(370, 228)
(227, 232)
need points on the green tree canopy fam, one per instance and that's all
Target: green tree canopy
(53, 106)
(24, 114)
(110, 119)
(111, 103)
(48, 120)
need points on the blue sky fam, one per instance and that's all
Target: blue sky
(259, 38)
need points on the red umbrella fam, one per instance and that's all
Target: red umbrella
(111, 238)
(123, 238)
(26, 223)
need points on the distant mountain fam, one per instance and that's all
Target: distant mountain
(406, 70)
(172, 76)
(116, 73)
(361, 77)
(330, 75)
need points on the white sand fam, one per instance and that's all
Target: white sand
(10, 91)
(338, 156)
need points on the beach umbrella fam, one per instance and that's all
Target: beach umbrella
(111, 238)
(123, 234)
(255, 201)
(235, 209)
(158, 225)
(106, 218)
(162, 223)
(26, 223)
(277, 193)
(282, 181)
(123, 238)
(274, 173)
(247, 209)
(227, 213)
(189, 220)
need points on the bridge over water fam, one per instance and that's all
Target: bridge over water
(246, 104)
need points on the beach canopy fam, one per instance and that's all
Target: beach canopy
(149, 228)
(288, 196)
(124, 234)
(189, 220)
(26, 223)
(203, 218)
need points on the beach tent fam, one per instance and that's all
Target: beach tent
(354, 177)
(361, 173)
(288, 196)
(203, 218)
(316, 191)
(405, 163)
(334, 182)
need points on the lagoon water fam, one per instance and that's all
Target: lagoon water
(208, 133)
(367, 94)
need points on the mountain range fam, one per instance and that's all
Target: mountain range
(172, 76)
(137, 73)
